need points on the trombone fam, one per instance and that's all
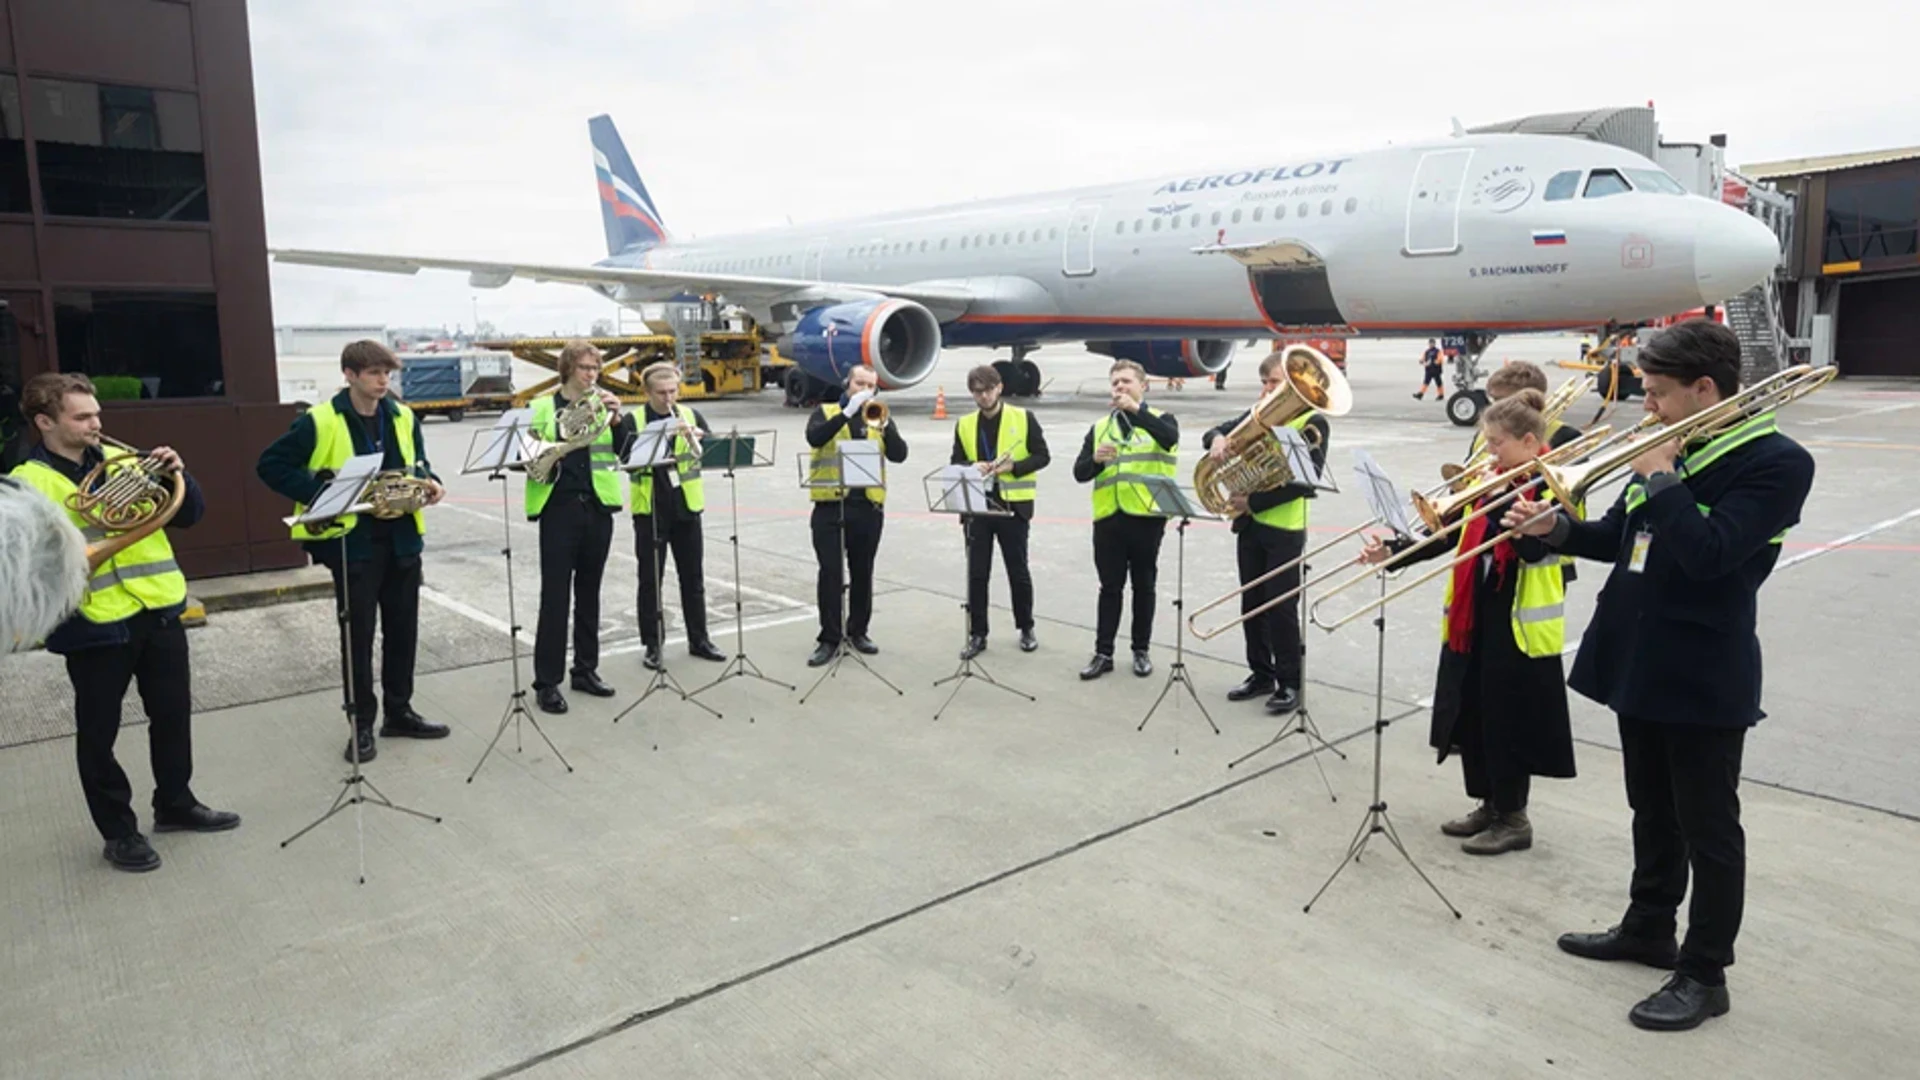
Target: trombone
(1434, 506)
(1570, 482)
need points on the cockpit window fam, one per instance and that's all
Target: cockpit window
(1655, 181)
(1604, 182)
(1563, 185)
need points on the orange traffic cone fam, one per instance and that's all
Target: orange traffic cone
(940, 404)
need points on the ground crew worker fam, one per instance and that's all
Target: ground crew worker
(1135, 440)
(126, 631)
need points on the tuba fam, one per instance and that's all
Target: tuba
(577, 425)
(1255, 460)
(124, 500)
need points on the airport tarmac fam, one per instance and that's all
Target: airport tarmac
(847, 887)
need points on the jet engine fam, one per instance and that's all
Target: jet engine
(1184, 359)
(898, 339)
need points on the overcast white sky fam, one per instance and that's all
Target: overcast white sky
(458, 127)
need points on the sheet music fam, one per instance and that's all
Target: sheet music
(503, 445)
(345, 487)
(1170, 501)
(1383, 496)
(860, 464)
(654, 444)
(1300, 458)
(962, 490)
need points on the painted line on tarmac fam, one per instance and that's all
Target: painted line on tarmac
(1876, 411)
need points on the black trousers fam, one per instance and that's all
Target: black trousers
(1436, 375)
(1683, 785)
(682, 537)
(155, 658)
(1273, 639)
(1011, 532)
(386, 586)
(1490, 773)
(576, 532)
(863, 527)
(1126, 547)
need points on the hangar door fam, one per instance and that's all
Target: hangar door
(1878, 329)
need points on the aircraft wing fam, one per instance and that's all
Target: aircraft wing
(739, 288)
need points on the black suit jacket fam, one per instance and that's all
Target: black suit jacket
(1676, 643)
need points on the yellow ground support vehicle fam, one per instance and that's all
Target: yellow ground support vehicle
(726, 363)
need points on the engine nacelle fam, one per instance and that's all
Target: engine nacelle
(898, 339)
(1184, 359)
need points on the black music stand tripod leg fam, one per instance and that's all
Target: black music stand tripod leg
(739, 666)
(517, 701)
(662, 678)
(842, 650)
(1178, 672)
(970, 668)
(1301, 722)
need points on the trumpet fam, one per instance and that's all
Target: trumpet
(124, 499)
(874, 413)
(1433, 514)
(1570, 481)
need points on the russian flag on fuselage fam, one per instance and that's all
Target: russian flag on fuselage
(1548, 237)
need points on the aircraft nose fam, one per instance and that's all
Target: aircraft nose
(1732, 253)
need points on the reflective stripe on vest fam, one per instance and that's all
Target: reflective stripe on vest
(1292, 514)
(604, 463)
(333, 446)
(142, 577)
(1539, 606)
(1697, 462)
(1010, 439)
(640, 482)
(823, 464)
(1113, 488)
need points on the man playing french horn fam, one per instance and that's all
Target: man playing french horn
(573, 493)
(382, 572)
(667, 503)
(128, 628)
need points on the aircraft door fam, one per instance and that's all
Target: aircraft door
(1076, 259)
(1433, 204)
(810, 265)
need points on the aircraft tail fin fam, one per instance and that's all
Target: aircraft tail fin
(632, 222)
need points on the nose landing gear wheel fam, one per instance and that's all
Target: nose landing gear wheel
(1463, 408)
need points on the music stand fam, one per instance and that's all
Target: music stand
(1376, 819)
(858, 464)
(1170, 501)
(1300, 459)
(339, 498)
(494, 451)
(738, 450)
(962, 491)
(652, 448)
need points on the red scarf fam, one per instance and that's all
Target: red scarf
(1466, 577)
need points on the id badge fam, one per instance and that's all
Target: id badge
(1637, 562)
(673, 477)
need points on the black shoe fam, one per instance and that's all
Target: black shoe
(1284, 700)
(364, 738)
(195, 818)
(132, 854)
(862, 643)
(588, 682)
(976, 644)
(1250, 687)
(651, 658)
(1682, 1005)
(1096, 667)
(706, 651)
(407, 724)
(1142, 663)
(822, 654)
(549, 699)
(1614, 945)
(1028, 642)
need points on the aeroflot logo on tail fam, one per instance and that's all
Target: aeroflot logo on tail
(1262, 176)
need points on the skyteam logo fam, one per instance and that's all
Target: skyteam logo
(1503, 190)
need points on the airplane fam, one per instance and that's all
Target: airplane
(1467, 236)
